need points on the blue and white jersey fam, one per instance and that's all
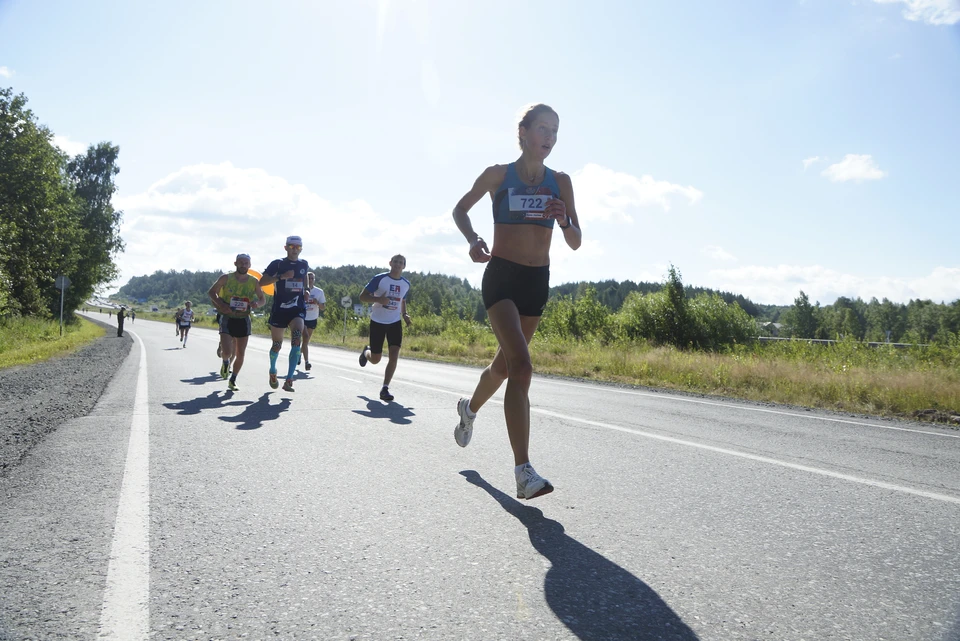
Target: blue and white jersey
(396, 289)
(288, 292)
(516, 202)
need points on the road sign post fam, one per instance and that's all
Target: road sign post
(345, 302)
(62, 283)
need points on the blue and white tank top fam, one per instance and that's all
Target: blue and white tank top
(517, 203)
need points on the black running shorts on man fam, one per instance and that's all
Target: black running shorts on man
(528, 287)
(236, 327)
(283, 317)
(393, 332)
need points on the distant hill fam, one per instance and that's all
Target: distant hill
(919, 321)
(429, 292)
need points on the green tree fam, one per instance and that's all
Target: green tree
(677, 318)
(41, 233)
(802, 317)
(92, 176)
(589, 316)
(923, 320)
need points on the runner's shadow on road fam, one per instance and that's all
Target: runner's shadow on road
(202, 380)
(256, 414)
(379, 409)
(211, 401)
(594, 597)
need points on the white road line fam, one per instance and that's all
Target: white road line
(753, 457)
(668, 397)
(746, 408)
(126, 600)
(721, 450)
(352, 380)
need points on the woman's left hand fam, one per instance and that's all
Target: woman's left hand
(556, 209)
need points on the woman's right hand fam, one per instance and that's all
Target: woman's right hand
(479, 252)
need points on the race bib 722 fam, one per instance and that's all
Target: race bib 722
(532, 205)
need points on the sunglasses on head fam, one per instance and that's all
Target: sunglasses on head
(295, 246)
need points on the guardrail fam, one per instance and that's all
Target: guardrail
(823, 341)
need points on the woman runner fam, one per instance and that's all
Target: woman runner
(528, 198)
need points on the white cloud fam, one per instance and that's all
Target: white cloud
(718, 253)
(935, 12)
(856, 167)
(781, 284)
(809, 161)
(200, 217)
(6, 72)
(71, 147)
(605, 194)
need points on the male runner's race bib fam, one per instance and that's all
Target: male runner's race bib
(525, 200)
(295, 285)
(238, 304)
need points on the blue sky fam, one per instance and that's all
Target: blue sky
(762, 147)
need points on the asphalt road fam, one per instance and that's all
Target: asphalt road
(177, 510)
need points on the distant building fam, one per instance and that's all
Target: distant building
(773, 328)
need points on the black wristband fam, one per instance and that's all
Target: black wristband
(567, 226)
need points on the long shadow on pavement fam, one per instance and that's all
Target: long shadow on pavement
(256, 414)
(201, 380)
(594, 597)
(394, 411)
(212, 401)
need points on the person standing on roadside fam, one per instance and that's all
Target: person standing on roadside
(120, 317)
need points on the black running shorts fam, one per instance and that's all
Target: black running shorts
(236, 327)
(393, 332)
(283, 317)
(528, 287)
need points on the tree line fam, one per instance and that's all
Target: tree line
(609, 311)
(918, 321)
(56, 217)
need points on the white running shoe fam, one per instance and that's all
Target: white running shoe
(530, 485)
(463, 432)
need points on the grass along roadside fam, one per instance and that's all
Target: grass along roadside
(29, 340)
(849, 378)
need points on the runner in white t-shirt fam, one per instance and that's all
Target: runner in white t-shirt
(316, 302)
(185, 321)
(388, 293)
